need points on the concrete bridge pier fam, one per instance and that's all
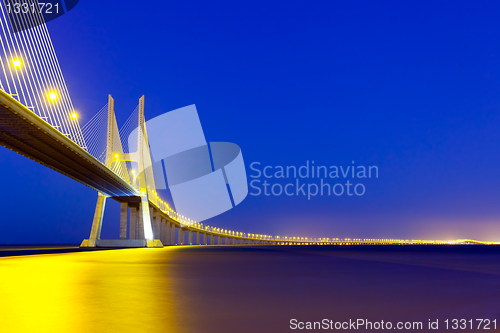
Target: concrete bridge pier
(156, 222)
(172, 234)
(182, 236)
(123, 220)
(95, 232)
(134, 216)
(140, 225)
(165, 232)
(190, 237)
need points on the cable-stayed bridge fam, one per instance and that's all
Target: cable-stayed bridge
(38, 121)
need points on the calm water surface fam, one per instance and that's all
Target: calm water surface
(244, 289)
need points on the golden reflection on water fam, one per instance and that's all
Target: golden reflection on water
(101, 291)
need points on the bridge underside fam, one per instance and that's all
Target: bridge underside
(25, 133)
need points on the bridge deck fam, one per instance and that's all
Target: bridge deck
(27, 134)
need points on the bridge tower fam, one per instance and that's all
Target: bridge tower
(141, 231)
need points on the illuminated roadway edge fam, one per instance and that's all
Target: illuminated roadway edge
(27, 134)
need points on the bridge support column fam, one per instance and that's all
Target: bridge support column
(182, 236)
(190, 237)
(95, 232)
(155, 213)
(172, 234)
(165, 232)
(123, 220)
(140, 223)
(134, 213)
(161, 230)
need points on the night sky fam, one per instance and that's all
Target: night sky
(410, 87)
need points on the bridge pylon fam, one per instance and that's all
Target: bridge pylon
(141, 230)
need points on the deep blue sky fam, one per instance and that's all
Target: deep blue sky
(411, 87)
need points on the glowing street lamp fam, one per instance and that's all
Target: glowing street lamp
(52, 95)
(17, 63)
(74, 116)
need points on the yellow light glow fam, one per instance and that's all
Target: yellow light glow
(17, 63)
(74, 115)
(116, 155)
(52, 95)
